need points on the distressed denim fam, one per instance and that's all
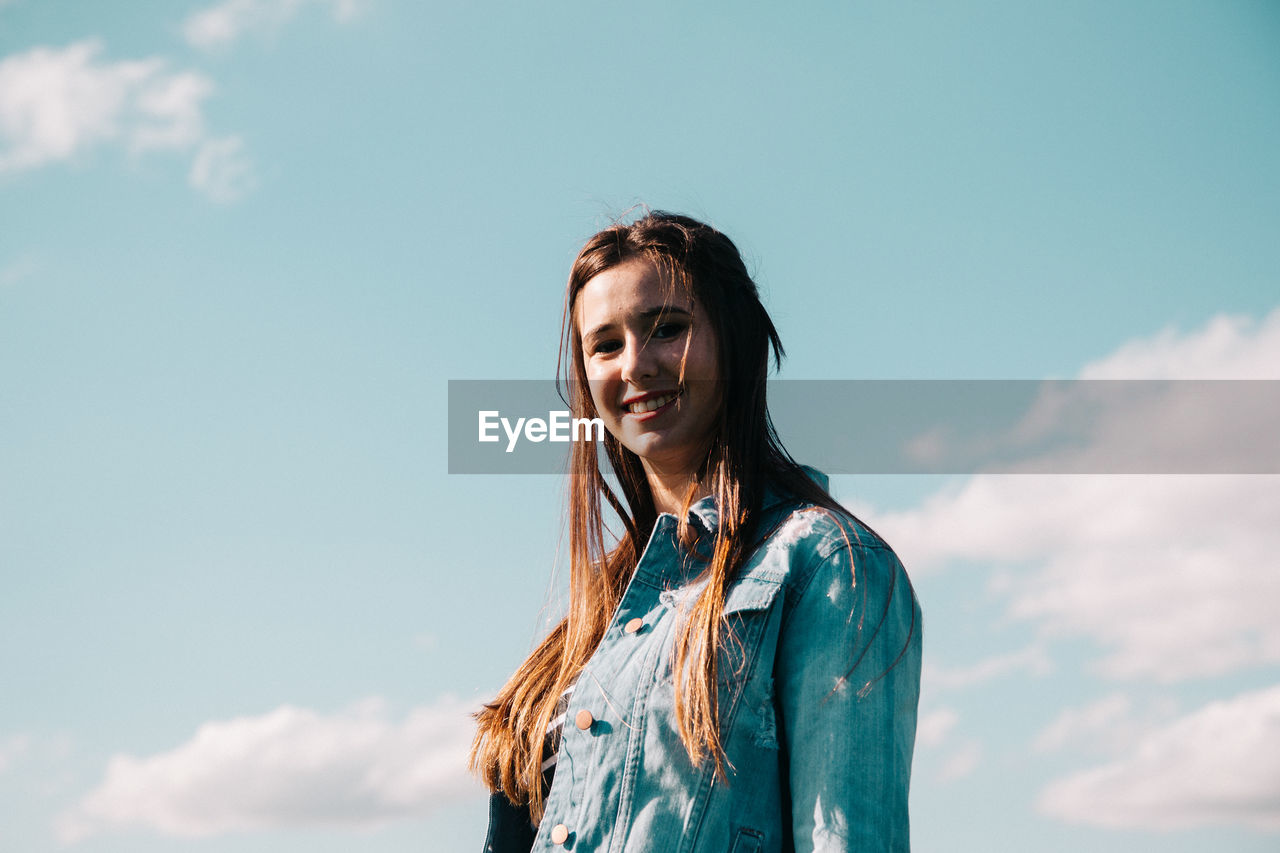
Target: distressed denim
(819, 685)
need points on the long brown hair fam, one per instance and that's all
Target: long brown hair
(744, 455)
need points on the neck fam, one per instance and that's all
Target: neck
(670, 487)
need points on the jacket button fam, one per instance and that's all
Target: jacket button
(634, 625)
(560, 834)
(583, 721)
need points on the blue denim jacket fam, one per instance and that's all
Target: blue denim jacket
(819, 683)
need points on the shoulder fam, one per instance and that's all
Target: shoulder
(850, 592)
(803, 541)
(822, 530)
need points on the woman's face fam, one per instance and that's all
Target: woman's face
(635, 332)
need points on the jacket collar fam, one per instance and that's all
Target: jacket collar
(706, 513)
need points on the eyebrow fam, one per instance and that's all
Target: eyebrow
(647, 314)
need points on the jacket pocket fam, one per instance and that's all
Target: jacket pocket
(748, 841)
(746, 612)
(747, 607)
(745, 680)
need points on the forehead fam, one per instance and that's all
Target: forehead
(629, 289)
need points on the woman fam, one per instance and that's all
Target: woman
(740, 670)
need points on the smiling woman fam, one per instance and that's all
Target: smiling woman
(742, 666)
(652, 366)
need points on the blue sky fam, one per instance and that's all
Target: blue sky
(245, 244)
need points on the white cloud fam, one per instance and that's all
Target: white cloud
(221, 169)
(287, 768)
(933, 727)
(1173, 576)
(11, 749)
(1219, 765)
(57, 104)
(1146, 426)
(1078, 724)
(220, 25)
(962, 762)
(1228, 347)
(1032, 660)
(37, 762)
(169, 113)
(1105, 424)
(1225, 426)
(1111, 725)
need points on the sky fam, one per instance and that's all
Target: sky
(244, 245)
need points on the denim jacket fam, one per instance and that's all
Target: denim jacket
(819, 684)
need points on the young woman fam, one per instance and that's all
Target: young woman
(739, 670)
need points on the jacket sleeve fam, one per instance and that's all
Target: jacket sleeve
(847, 675)
(509, 827)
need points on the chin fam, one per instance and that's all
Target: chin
(659, 452)
(647, 449)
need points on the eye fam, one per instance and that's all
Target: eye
(605, 346)
(666, 331)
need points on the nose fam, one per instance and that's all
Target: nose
(638, 361)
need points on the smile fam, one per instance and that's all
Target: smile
(652, 404)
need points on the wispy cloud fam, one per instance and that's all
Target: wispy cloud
(934, 727)
(221, 169)
(58, 104)
(20, 268)
(225, 23)
(11, 748)
(1080, 723)
(291, 767)
(1112, 725)
(962, 762)
(1032, 660)
(1214, 766)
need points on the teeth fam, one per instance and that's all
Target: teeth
(650, 404)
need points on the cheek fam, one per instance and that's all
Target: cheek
(598, 382)
(707, 356)
(597, 400)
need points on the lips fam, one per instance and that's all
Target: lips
(650, 403)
